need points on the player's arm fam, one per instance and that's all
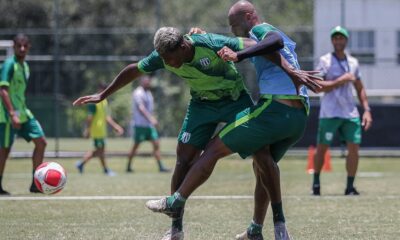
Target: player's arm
(270, 44)
(127, 75)
(6, 75)
(147, 115)
(299, 77)
(91, 110)
(328, 86)
(5, 97)
(115, 125)
(270, 50)
(362, 96)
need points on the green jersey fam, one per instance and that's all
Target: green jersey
(15, 75)
(209, 77)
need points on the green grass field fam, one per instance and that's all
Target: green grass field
(373, 215)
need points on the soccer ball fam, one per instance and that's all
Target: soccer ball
(50, 177)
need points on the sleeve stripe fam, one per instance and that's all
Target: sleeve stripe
(241, 44)
(140, 67)
(4, 83)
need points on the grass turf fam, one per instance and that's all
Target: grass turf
(373, 215)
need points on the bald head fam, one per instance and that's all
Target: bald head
(241, 8)
(242, 17)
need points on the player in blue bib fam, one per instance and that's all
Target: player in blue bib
(266, 130)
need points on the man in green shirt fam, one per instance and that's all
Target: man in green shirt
(215, 85)
(15, 117)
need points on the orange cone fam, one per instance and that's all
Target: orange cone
(310, 164)
(327, 167)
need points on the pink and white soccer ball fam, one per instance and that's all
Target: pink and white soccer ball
(50, 177)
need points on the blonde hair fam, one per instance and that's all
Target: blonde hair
(167, 39)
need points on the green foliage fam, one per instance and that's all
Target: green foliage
(76, 120)
(120, 108)
(85, 25)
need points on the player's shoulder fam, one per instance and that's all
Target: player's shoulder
(138, 91)
(199, 39)
(261, 30)
(9, 61)
(207, 39)
(351, 59)
(326, 57)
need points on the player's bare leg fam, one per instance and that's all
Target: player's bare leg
(186, 153)
(4, 152)
(318, 163)
(86, 158)
(198, 174)
(102, 156)
(131, 155)
(37, 159)
(157, 156)
(38, 151)
(261, 202)
(351, 167)
(270, 177)
(202, 169)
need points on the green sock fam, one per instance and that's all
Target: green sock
(350, 182)
(254, 228)
(316, 179)
(177, 223)
(176, 200)
(277, 212)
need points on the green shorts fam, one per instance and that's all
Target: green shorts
(202, 118)
(29, 130)
(145, 134)
(99, 142)
(349, 130)
(268, 123)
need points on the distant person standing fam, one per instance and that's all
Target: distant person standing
(338, 111)
(144, 122)
(15, 117)
(96, 128)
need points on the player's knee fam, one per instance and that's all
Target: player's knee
(183, 161)
(41, 143)
(185, 155)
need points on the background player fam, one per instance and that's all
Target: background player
(338, 112)
(144, 122)
(15, 117)
(96, 128)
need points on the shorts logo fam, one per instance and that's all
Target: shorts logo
(185, 137)
(205, 62)
(328, 136)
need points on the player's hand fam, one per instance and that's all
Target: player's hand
(349, 77)
(154, 121)
(15, 122)
(227, 54)
(95, 98)
(119, 130)
(308, 78)
(366, 120)
(196, 30)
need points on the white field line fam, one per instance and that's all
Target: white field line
(226, 197)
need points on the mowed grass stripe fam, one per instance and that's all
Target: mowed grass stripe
(232, 197)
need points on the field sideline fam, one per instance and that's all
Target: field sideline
(94, 206)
